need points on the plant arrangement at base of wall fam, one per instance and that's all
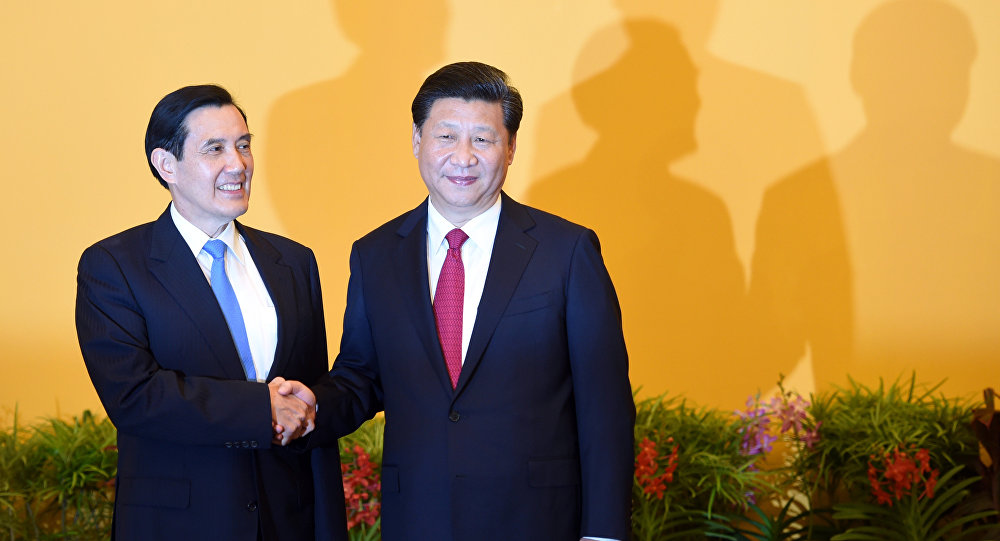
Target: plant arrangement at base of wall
(893, 462)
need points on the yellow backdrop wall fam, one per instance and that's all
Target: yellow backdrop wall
(808, 188)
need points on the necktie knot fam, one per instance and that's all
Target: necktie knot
(456, 238)
(215, 248)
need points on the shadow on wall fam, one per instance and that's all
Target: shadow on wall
(751, 128)
(338, 148)
(884, 257)
(667, 242)
(684, 139)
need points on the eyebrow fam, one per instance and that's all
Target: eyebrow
(219, 140)
(475, 129)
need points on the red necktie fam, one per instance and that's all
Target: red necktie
(449, 301)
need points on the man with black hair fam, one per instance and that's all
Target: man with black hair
(490, 335)
(188, 325)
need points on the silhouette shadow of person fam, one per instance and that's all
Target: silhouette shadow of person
(667, 242)
(337, 149)
(883, 258)
(752, 126)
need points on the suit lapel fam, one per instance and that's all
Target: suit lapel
(512, 250)
(410, 263)
(280, 286)
(173, 264)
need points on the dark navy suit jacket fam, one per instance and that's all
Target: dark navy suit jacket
(536, 441)
(195, 460)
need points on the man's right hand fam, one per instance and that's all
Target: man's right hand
(293, 410)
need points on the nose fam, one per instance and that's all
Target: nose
(464, 155)
(236, 162)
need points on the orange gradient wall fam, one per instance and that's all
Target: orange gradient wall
(806, 188)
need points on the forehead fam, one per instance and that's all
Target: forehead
(475, 114)
(211, 121)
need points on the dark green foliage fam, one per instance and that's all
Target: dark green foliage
(57, 479)
(858, 422)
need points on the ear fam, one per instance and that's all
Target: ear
(165, 163)
(416, 140)
(511, 148)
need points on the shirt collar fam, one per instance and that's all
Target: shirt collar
(196, 238)
(481, 230)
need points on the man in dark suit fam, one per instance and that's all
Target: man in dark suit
(490, 334)
(182, 323)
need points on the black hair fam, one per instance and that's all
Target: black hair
(469, 81)
(167, 127)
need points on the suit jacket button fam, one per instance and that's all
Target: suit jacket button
(454, 416)
(252, 506)
(253, 444)
(229, 445)
(245, 444)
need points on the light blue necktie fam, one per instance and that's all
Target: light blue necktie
(230, 306)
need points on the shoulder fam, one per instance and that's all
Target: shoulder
(541, 224)
(283, 245)
(392, 227)
(127, 238)
(812, 181)
(128, 243)
(408, 223)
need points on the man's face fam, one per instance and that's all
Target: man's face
(463, 150)
(211, 185)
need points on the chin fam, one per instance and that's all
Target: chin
(236, 212)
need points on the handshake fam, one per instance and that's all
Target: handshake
(293, 410)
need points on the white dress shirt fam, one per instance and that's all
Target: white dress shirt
(476, 253)
(259, 315)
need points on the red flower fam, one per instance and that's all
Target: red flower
(646, 467)
(930, 484)
(362, 486)
(901, 473)
(924, 458)
(881, 496)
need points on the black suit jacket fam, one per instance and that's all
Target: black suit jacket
(195, 459)
(536, 440)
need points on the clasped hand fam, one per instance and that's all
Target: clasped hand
(293, 410)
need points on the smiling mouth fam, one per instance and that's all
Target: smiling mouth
(231, 187)
(462, 181)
